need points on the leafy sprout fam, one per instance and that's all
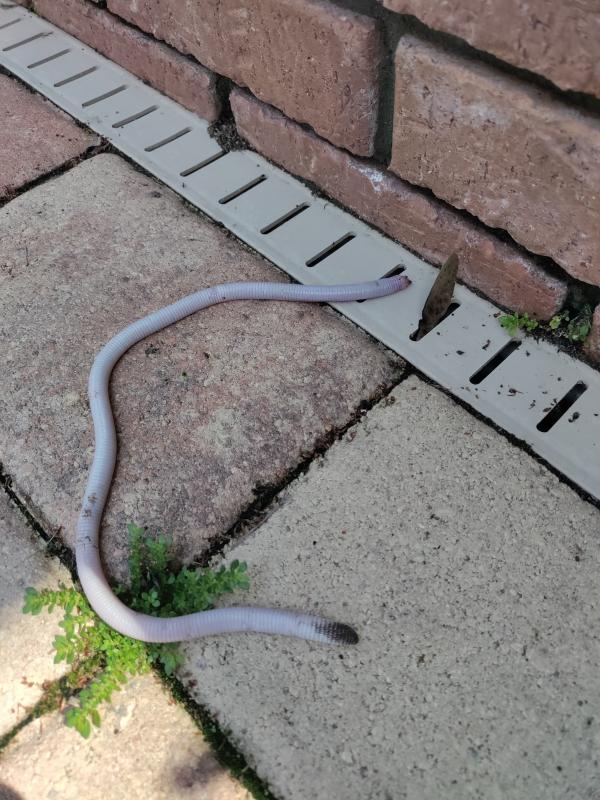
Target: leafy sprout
(563, 325)
(515, 322)
(110, 659)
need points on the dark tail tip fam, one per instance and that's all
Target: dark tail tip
(337, 632)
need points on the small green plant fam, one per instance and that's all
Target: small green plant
(579, 327)
(575, 329)
(515, 322)
(102, 658)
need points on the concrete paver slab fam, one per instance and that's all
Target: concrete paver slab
(147, 747)
(36, 137)
(207, 411)
(26, 658)
(471, 574)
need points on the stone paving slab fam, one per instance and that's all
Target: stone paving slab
(26, 657)
(471, 574)
(207, 411)
(148, 748)
(36, 137)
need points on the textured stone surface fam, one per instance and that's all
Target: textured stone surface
(506, 151)
(558, 40)
(147, 747)
(430, 228)
(592, 344)
(315, 61)
(162, 67)
(26, 659)
(471, 574)
(36, 137)
(207, 411)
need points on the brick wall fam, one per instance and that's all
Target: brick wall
(468, 125)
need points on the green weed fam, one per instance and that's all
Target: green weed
(108, 658)
(564, 325)
(515, 322)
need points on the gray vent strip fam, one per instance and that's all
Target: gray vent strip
(517, 395)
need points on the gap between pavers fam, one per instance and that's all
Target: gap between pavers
(147, 747)
(26, 655)
(36, 138)
(207, 411)
(471, 574)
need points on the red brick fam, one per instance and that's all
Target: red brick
(558, 40)
(423, 224)
(36, 137)
(507, 152)
(315, 61)
(592, 345)
(184, 80)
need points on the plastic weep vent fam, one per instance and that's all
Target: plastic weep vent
(529, 388)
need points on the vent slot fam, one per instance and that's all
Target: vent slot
(168, 140)
(48, 59)
(561, 408)
(202, 164)
(102, 97)
(8, 24)
(134, 117)
(494, 362)
(76, 77)
(277, 223)
(25, 41)
(242, 190)
(328, 251)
